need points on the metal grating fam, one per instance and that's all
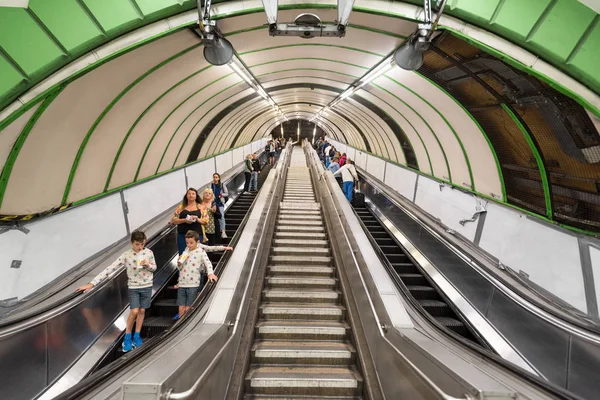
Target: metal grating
(511, 105)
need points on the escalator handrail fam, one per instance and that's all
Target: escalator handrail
(488, 355)
(315, 163)
(100, 376)
(272, 203)
(567, 322)
(73, 299)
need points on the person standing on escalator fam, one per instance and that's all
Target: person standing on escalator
(248, 172)
(221, 194)
(255, 172)
(349, 175)
(140, 265)
(187, 217)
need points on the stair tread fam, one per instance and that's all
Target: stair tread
(301, 345)
(311, 376)
(309, 324)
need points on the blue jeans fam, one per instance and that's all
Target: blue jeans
(222, 219)
(348, 189)
(140, 298)
(254, 180)
(186, 296)
(181, 242)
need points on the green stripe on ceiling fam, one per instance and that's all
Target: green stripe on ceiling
(447, 123)
(500, 175)
(106, 110)
(16, 149)
(538, 158)
(428, 126)
(124, 141)
(580, 65)
(312, 44)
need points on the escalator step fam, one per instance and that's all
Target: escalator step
(156, 325)
(391, 249)
(423, 292)
(454, 325)
(164, 308)
(436, 308)
(413, 279)
(405, 268)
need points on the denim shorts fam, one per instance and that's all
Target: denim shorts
(186, 295)
(140, 298)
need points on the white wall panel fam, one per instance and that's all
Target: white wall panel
(237, 155)
(57, 243)
(401, 180)
(247, 149)
(376, 167)
(152, 198)
(200, 174)
(450, 205)
(360, 158)
(351, 153)
(224, 162)
(595, 256)
(550, 257)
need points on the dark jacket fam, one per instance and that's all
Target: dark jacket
(256, 165)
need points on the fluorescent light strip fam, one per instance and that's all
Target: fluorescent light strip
(370, 76)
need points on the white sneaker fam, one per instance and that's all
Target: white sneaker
(223, 235)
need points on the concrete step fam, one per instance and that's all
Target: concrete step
(307, 295)
(296, 217)
(299, 212)
(300, 260)
(302, 311)
(301, 352)
(300, 235)
(307, 251)
(294, 228)
(300, 270)
(300, 281)
(300, 221)
(304, 381)
(303, 243)
(289, 205)
(307, 330)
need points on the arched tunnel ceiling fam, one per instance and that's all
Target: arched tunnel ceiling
(465, 118)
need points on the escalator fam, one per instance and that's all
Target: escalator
(426, 294)
(303, 344)
(160, 316)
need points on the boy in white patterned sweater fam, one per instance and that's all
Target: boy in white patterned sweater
(190, 264)
(140, 265)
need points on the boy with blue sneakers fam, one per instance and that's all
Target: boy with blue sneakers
(140, 265)
(191, 263)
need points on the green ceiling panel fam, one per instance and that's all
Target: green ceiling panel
(25, 42)
(561, 29)
(80, 29)
(10, 77)
(474, 10)
(151, 6)
(587, 58)
(518, 17)
(113, 14)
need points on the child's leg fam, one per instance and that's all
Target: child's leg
(140, 320)
(145, 302)
(133, 313)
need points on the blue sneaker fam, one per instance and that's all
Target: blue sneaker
(176, 317)
(137, 340)
(127, 344)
